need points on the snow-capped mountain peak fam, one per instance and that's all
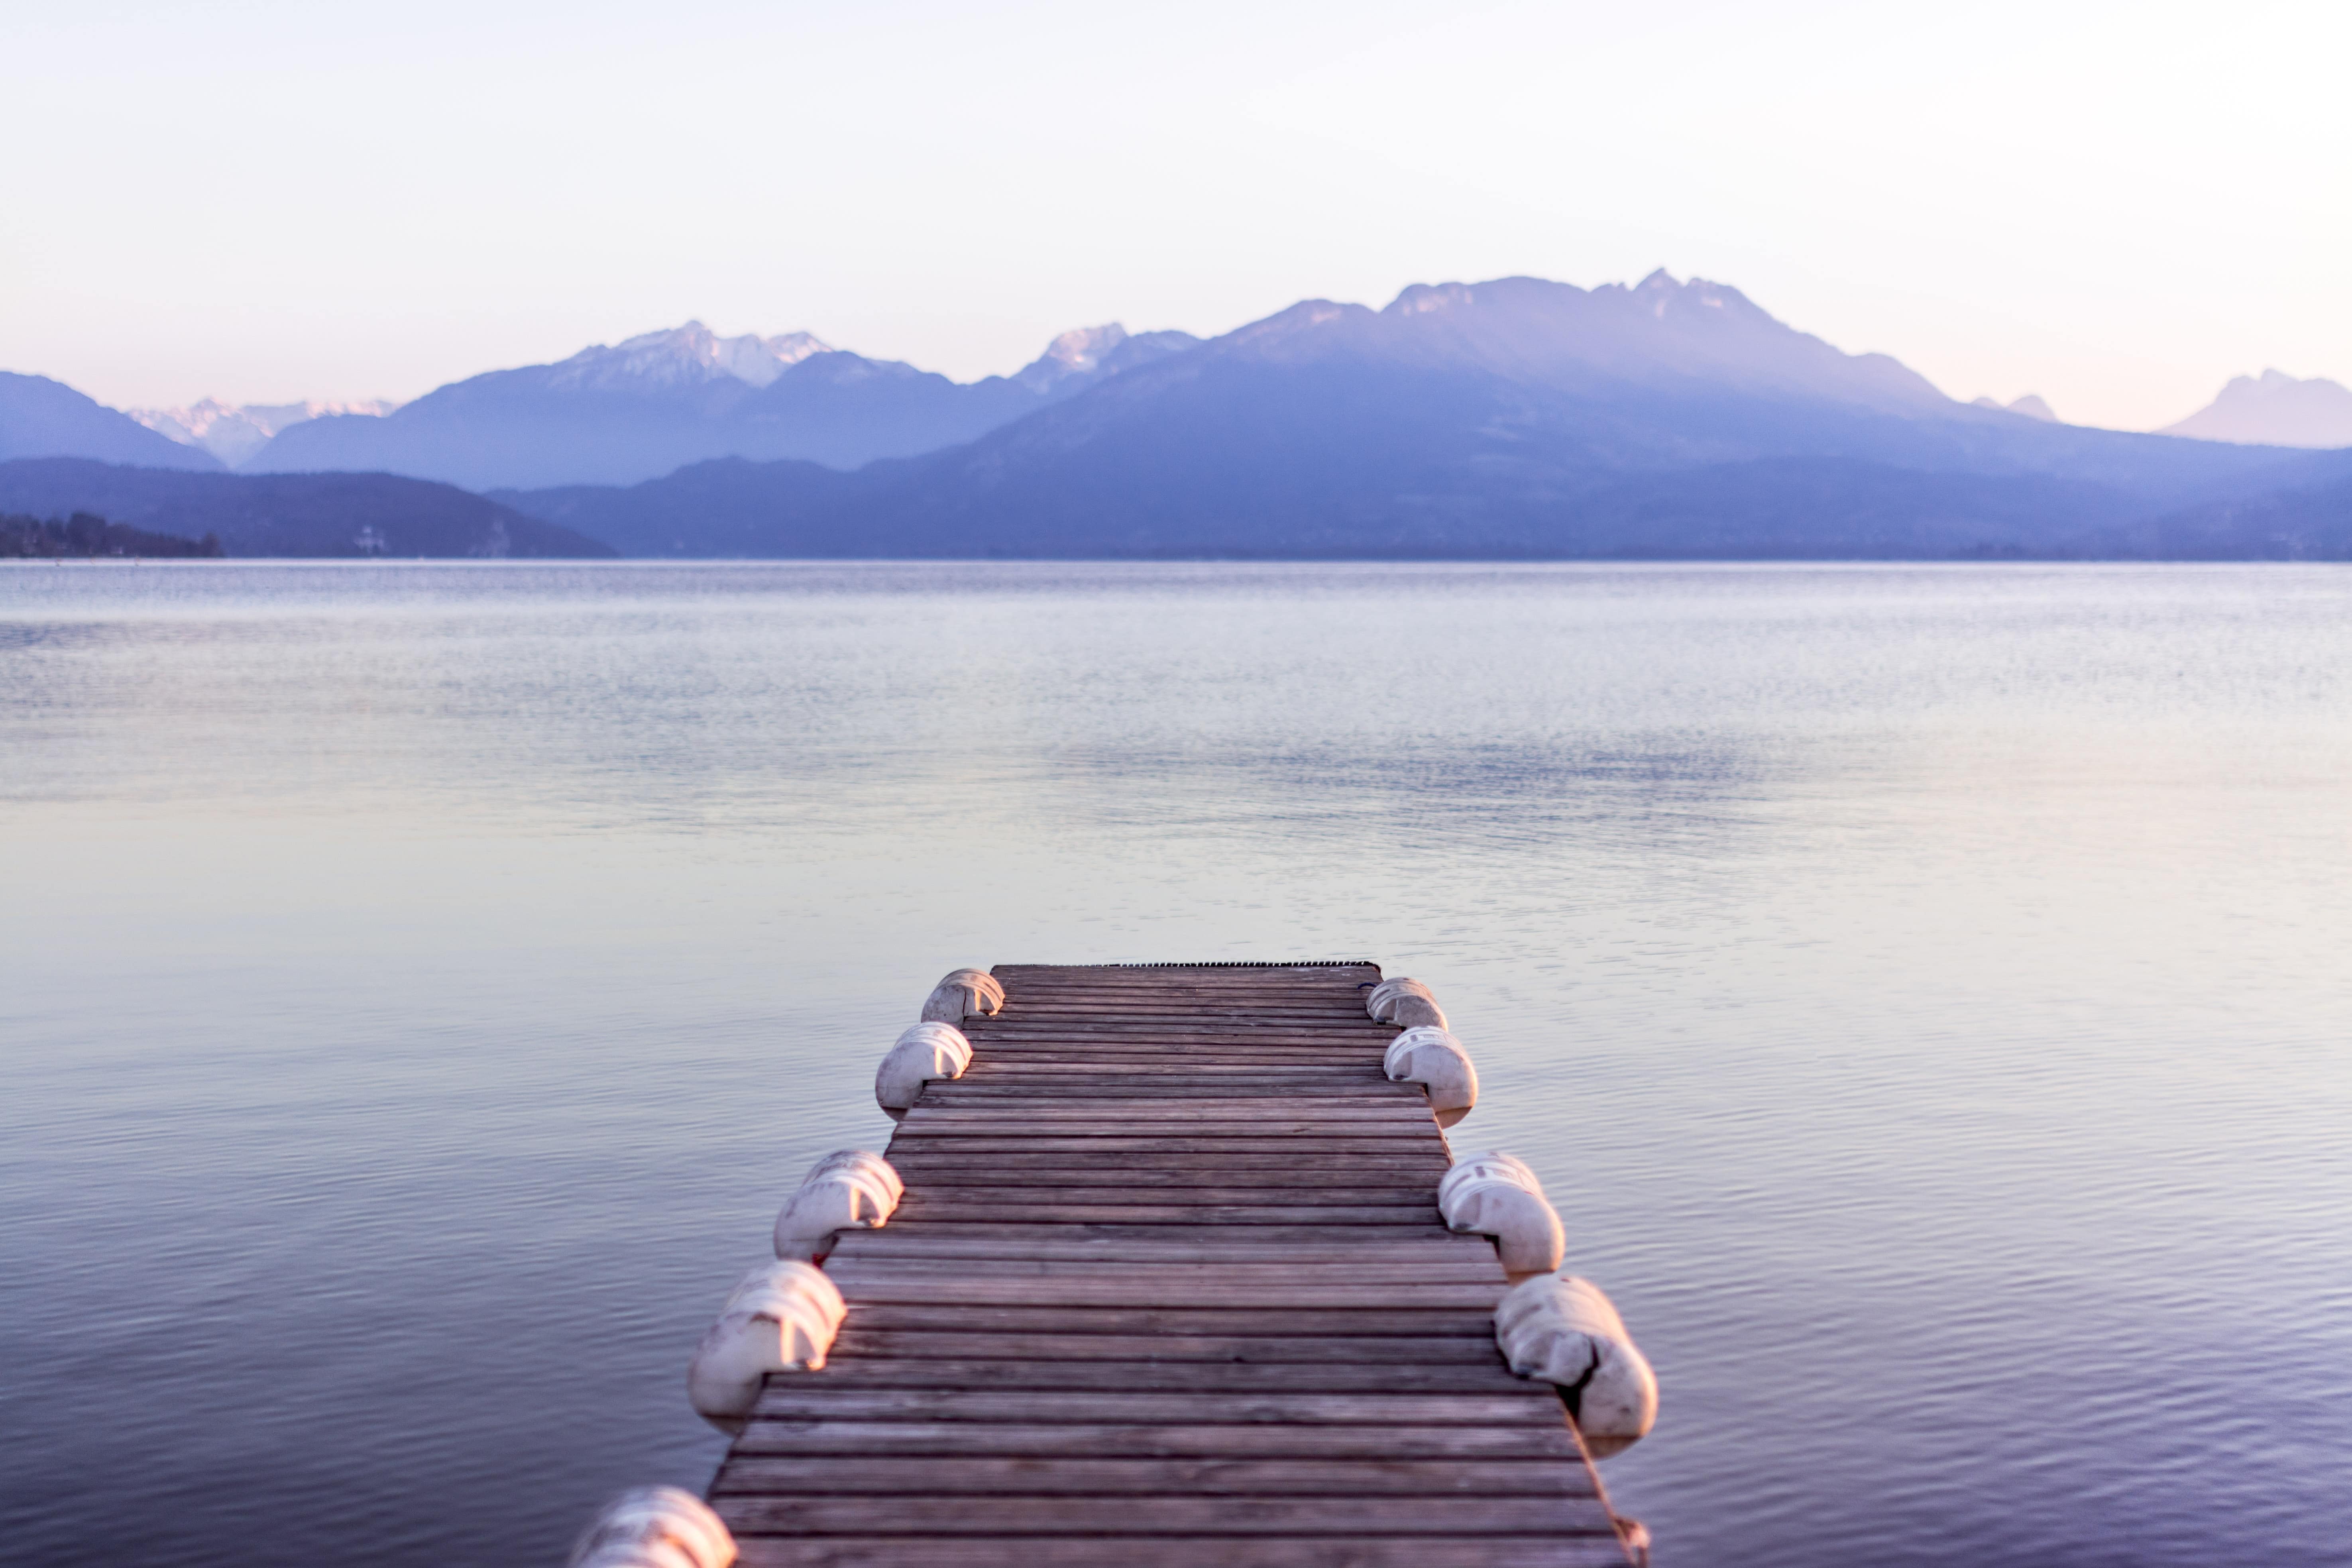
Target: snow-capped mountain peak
(1087, 354)
(1082, 349)
(1076, 353)
(683, 356)
(234, 432)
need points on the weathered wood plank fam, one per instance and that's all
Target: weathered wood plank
(943, 1171)
(782, 1436)
(1091, 1023)
(1365, 1283)
(1277, 1048)
(1209, 1018)
(1118, 1096)
(1154, 1291)
(1211, 1079)
(1061, 1113)
(942, 1195)
(1188, 1377)
(812, 1395)
(1256, 1074)
(1075, 1032)
(1299, 1097)
(1272, 1010)
(1284, 1240)
(942, 1476)
(1320, 1272)
(940, 1157)
(1438, 1514)
(1257, 1078)
(1398, 1350)
(1549, 1551)
(911, 1240)
(1203, 970)
(948, 1169)
(1056, 1143)
(941, 1211)
(1383, 1321)
(967, 1188)
(1398, 1131)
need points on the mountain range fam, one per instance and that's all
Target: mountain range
(1515, 418)
(647, 405)
(234, 432)
(43, 419)
(1518, 418)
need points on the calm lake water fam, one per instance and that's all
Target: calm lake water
(1924, 991)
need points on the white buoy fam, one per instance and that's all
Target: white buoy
(1405, 1002)
(924, 1052)
(1494, 1194)
(963, 993)
(1427, 1055)
(1564, 1330)
(656, 1527)
(781, 1318)
(849, 1189)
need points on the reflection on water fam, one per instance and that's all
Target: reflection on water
(1922, 989)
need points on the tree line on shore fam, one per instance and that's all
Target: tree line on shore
(85, 535)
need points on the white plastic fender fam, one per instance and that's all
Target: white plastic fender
(1429, 1056)
(1494, 1194)
(1406, 1002)
(781, 1318)
(1385, 993)
(963, 992)
(656, 1527)
(926, 1051)
(1563, 1330)
(849, 1189)
(1417, 1012)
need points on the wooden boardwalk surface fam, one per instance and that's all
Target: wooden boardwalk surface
(1168, 1286)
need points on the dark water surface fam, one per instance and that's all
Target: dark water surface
(1923, 990)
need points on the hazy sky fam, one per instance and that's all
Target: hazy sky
(2116, 206)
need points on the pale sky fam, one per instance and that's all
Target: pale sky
(2118, 206)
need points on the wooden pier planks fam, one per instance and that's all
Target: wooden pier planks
(1168, 1286)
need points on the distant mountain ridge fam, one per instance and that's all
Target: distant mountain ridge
(45, 418)
(690, 355)
(305, 515)
(654, 403)
(233, 433)
(1518, 418)
(2274, 409)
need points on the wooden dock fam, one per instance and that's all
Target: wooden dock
(1168, 1286)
